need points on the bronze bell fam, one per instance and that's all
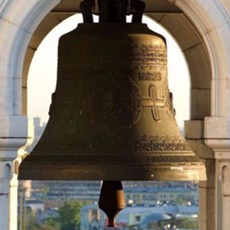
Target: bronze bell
(111, 116)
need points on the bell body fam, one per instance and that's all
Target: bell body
(111, 116)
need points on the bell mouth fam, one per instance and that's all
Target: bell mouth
(152, 168)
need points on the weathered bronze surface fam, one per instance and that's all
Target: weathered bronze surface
(111, 116)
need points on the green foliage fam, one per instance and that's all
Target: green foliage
(187, 223)
(69, 215)
(69, 218)
(181, 200)
(43, 227)
(53, 222)
(30, 219)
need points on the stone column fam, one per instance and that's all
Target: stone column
(217, 137)
(224, 177)
(5, 171)
(194, 134)
(14, 134)
(207, 204)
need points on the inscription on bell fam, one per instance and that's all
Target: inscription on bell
(149, 57)
(155, 76)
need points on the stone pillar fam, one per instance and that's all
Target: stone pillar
(5, 171)
(217, 137)
(194, 134)
(14, 134)
(224, 177)
(207, 204)
(13, 199)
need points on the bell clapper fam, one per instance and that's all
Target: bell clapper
(111, 200)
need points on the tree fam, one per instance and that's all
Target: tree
(43, 227)
(30, 219)
(53, 222)
(187, 223)
(68, 219)
(69, 215)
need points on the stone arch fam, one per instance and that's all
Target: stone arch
(20, 22)
(211, 23)
(17, 24)
(23, 25)
(203, 69)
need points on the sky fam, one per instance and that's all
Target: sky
(43, 71)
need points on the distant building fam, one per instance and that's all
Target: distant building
(176, 193)
(79, 190)
(39, 128)
(35, 205)
(92, 218)
(135, 217)
(152, 196)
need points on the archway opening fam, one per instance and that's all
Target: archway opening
(42, 77)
